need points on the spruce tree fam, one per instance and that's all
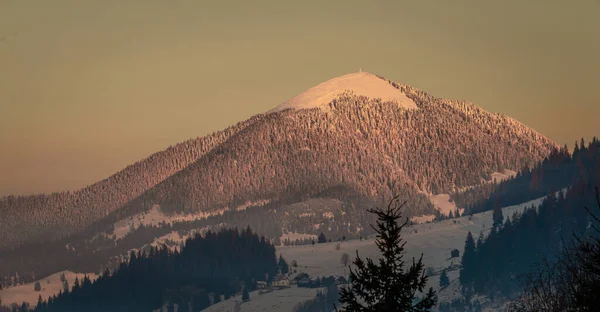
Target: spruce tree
(245, 294)
(283, 266)
(386, 286)
(321, 239)
(39, 302)
(468, 261)
(498, 217)
(444, 281)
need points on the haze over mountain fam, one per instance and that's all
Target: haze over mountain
(356, 134)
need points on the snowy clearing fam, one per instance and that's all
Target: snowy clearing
(51, 285)
(277, 300)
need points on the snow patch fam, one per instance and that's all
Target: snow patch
(361, 83)
(51, 285)
(443, 203)
(154, 216)
(422, 219)
(499, 177)
(328, 215)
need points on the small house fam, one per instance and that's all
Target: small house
(455, 253)
(281, 281)
(261, 285)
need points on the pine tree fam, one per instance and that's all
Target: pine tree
(245, 294)
(321, 239)
(65, 286)
(444, 281)
(468, 261)
(39, 302)
(283, 266)
(37, 286)
(498, 217)
(386, 286)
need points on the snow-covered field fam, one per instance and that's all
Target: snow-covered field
(433, 240)
(278, 300)
(154, 216)
(51, 285)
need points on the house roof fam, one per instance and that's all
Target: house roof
(280, 278)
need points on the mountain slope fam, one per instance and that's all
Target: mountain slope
(366, 145)
(51, 216)
(409, 145)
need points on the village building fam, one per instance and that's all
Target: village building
(281, 281)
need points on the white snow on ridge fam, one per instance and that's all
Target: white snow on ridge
(361, 83)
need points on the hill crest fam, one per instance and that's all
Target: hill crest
(360, 83)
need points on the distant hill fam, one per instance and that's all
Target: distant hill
(360, 135)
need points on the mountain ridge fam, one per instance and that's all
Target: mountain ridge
(384, 139)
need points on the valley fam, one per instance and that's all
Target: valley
(434, 240)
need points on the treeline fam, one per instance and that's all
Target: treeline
(90, 252)
(207, 268)
(494, 264)
(555, 172)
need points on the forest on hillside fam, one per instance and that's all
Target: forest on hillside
(47, 217)
(206, 270)
(495, 264)
(367, 146)
(555, 172)
(92, 252)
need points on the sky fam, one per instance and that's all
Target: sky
(89, 87)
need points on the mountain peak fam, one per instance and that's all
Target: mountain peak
(361, 83)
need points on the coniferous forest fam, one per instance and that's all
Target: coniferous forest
(554, 172)
(207, 267)
(496, 264)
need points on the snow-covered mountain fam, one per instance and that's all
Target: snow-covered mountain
(317, 160)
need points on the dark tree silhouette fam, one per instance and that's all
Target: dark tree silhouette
(497, 216)
(386, 286)
(468, 261)
(444, 281)
(569, 283)
(345, 259)
(245, 294)
(321, 239)
(283, 265)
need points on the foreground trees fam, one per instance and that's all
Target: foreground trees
(572, 281)
(386, 285)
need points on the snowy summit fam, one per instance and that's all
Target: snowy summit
(361, 83)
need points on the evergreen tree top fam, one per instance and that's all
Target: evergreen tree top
(387, 285)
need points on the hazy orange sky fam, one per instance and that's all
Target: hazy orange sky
(88, 87)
